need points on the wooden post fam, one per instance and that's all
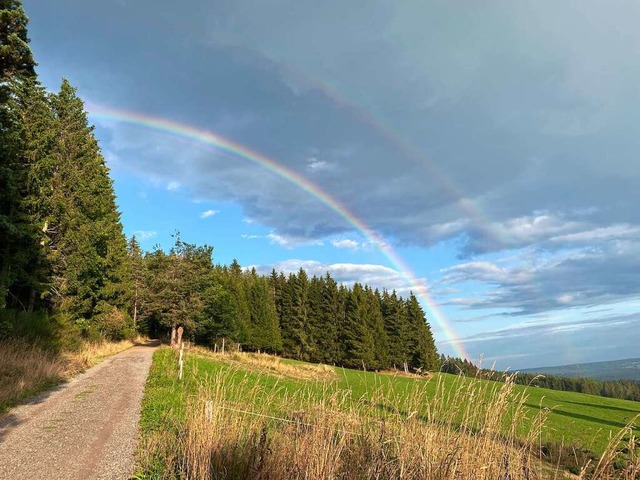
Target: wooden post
(222, 344)
(181, 361)
(179, 337)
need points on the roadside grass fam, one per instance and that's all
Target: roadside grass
(28, 368)
(242, 416)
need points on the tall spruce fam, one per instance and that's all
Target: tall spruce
(32, 133)
(424, 354)
(329, 318)
(264, 331)
(376, 325)
(294, 316)
(16, 66)
(88, 248)
(359, 344)
(16, 59)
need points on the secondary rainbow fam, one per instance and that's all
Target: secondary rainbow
(219, 142)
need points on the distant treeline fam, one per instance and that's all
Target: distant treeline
(313, 319)
(624, 389)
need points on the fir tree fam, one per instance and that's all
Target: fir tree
(329, 318)
(358, 346)
(424, 354)
(293, 322)
(88, 248)
(16, 66)
(29, 138)
(376, 326)
(264, 328)
(16, 59)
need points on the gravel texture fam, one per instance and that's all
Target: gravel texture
(84, 429)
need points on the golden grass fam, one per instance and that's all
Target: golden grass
(27, 369)
(233, 429)
(269, 364)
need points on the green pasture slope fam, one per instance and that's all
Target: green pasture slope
(585, 421)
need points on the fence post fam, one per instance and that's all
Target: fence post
(181, 362)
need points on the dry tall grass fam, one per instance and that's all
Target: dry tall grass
(269, 364)
(26, 368)
(235, 430)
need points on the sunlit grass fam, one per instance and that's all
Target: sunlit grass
(227, 419)
(27, 368)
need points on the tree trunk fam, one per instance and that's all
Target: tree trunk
(135, 315)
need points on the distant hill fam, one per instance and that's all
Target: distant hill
(628, 369)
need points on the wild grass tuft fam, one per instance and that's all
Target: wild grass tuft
(27, 368)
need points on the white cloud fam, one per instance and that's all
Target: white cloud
(346, 243)
(209, 213)
(143, 235)
(316, 165)
(612, 232)
(376, 276)
(288, 241)
(173, 185)
(285, 241)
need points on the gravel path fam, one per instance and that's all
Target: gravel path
(84, 429)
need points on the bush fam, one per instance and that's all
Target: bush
(32, 326)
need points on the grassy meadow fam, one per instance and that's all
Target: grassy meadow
(255, 416)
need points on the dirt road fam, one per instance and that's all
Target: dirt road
(84, 429)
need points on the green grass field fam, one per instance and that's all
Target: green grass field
(573, 419)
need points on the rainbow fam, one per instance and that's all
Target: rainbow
(211, 139)
(382, 128)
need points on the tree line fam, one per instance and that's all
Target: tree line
(624, 389)
(63, 252)
(312, 319)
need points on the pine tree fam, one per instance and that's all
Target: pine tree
(376, 325)
(16, 66)
(329, 319)
(30, 134)
(177, 281)
(294, 316)
(88, 249)
(16, 59)
(359, 345)
(315, 323)
(424, 354)
(399, 332)
(264, 328)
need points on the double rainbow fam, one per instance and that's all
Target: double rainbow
(211, 139)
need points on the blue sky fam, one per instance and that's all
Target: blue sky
(493, 146)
